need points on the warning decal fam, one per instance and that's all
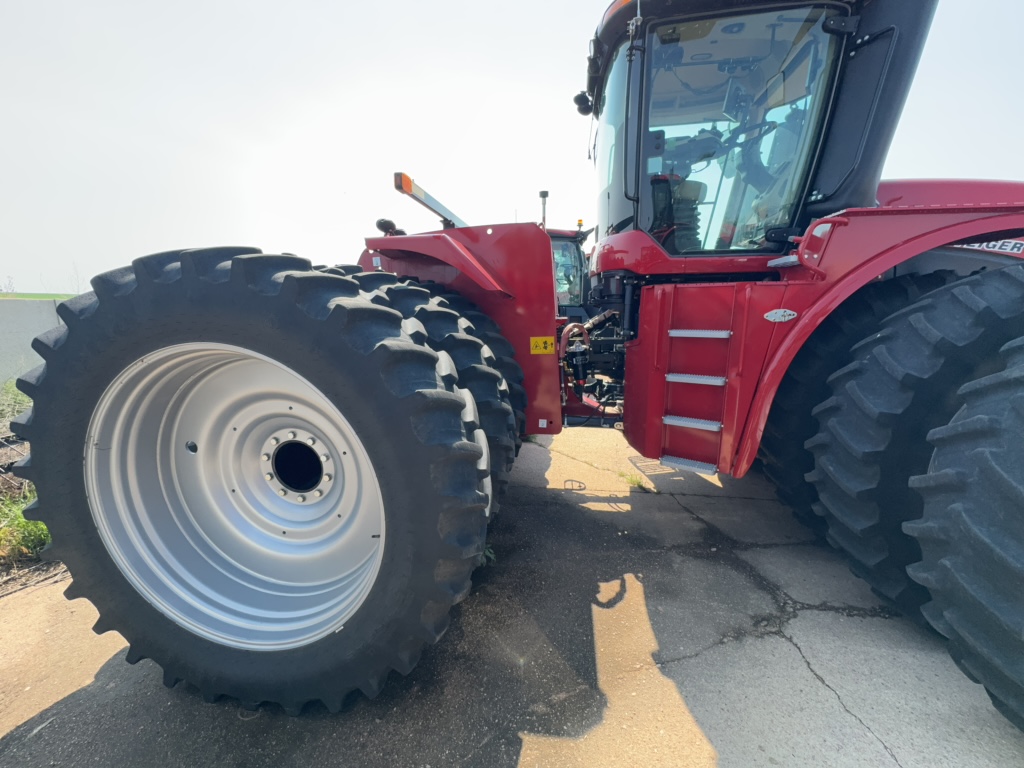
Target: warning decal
(542, 345)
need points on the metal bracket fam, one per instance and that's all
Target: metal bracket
(841, 25)
(782, 234)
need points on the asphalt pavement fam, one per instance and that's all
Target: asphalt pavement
(633, 616)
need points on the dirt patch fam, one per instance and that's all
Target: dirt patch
(11, 452)
(16, 579)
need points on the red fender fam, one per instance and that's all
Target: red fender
(438, 247)
(895, 235)
(505, 269)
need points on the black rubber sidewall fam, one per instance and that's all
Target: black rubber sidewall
(113, 338)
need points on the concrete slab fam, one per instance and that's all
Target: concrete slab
(641, 513)
(614, 625)
(602, 447)
(547, 464)
(694, 602)
(761, 707)
(752, 521)
(667, 480)
(901, 683)
(813, 574)
(643, 707)
(600, 458)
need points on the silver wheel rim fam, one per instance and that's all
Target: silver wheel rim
(201, 467)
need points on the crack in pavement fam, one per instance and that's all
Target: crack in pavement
(720, 547)
(576, 458)
(839, 698)
(716, 545)
(773, 624)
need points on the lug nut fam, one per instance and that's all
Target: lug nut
(318, 493)
(302, 498)
(291, 435)
(282, 492)
(265, 457)
(327, 478)
(324, 457)
(274, 441)
(310, 441)
(269, 476)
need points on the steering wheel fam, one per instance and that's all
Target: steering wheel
(759, 131)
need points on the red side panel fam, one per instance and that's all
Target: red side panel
(837, 256)
(508, 272)
(692, 372)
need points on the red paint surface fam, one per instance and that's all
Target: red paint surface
(638, 252)
(735, 307)
(838, 255)
(507, 271)
(863, 244)
(949, 192)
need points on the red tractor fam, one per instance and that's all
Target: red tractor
(275, 479)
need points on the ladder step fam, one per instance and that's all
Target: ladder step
(685, 421)
(695, 333)
(689, 466)
(693, 378)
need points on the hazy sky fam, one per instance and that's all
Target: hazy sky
(135, 127)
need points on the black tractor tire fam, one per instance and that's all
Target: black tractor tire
(972, 534)
(444, 329)
(784, 459)
(403, 414)
(485, 329)
(872, 430)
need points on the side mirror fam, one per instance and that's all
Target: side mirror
(583, 103)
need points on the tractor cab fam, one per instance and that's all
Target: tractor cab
(728, 130)
(570, 263)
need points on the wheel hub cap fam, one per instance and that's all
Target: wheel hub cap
(234, 496)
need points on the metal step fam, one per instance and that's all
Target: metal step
(689, 466)
(685, 421)
(694, 378)
(694, 333)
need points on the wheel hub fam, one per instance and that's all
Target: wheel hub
(234, 496)
(297, 465)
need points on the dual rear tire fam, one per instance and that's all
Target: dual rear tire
(971, 533)
(288, 472)
(935, 524)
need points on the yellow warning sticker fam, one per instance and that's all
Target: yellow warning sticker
(542, 345)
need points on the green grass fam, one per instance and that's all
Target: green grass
(20, 539)
(12, 403)
(54, 296)
(633, 480)
(487, 557)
